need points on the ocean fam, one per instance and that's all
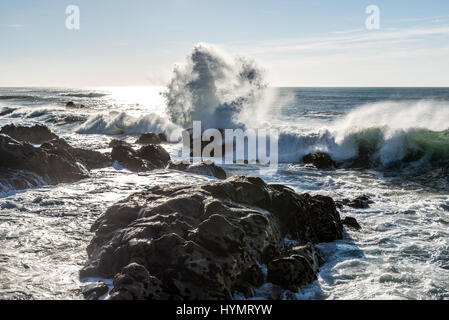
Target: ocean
(401, 252)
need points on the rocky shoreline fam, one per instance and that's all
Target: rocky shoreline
(211, 241)
(217, 240)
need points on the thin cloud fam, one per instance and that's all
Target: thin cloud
(13, 26)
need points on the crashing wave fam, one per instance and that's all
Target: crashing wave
(116, 123)
(380, 134)
(220, 91)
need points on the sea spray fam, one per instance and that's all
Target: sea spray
(384, 134)
(219, 90)
(119, 123)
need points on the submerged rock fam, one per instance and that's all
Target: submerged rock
(320, 160)
(116, 143)
(351, 222)
(72, 105)
(147, 158)
(205, 242)
(37, 134)
(202, 168)
(362, 202)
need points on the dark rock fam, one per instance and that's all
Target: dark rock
(37, 134)
(23, 156)
(116, 143)
(127, 157)
(201, 168)
(304, 217)
(320, 160)
(147, 158)
(54, 161)
(351, 222)
(206, 241)
(291, 272)
(72, 105)
(94, 291)
(149, 138)
(163, 137)
(135, 283)
(89, 158)
(155, 154)
(312, 254)
(361, 202)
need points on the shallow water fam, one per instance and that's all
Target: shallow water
(402, 252)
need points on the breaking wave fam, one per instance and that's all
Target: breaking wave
(219, 90)
(382, 134)
(116, 123)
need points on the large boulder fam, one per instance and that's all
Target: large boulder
(54, 161)
(147, 158)
(201, 168)
(50, 166)
(319, 160)
(37, 134)
(89, 158)
(207, 241)
(351, 222)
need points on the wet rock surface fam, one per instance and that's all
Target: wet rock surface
(362, 202)
(319, 160)
(94, 291)
(37, 134)
(152, 138)
(55, 161)
(208, 241)
(72, 105)
(202, 168)
(351, 222)
(147, 158)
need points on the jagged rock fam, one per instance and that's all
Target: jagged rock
(203, 242)
(312, 254)
(155, 154)
(135, 283)
(72, 105)
(147, 158)
(320, 160)
(150, 138)
(94, 291)
(291, 272)
(306, 217)
(351, 222)
(361, 202)
(89, 158)
(201, 168)
(23, 156)
(55, 161)
(127, 157)
(116, 143)
(37, 134)
(163, 137)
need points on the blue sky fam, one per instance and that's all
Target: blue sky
(299, 43)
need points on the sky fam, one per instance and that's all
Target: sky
(298, 43)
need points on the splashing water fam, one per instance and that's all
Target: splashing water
(220, 91)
